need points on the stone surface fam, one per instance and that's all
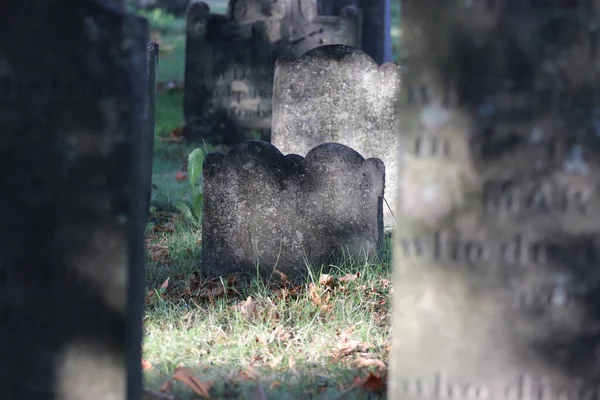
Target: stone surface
(261, 208)
(72, 95)
(497, 245)
(376, 25)
(151, 113)
(230, 62)
(339, 94)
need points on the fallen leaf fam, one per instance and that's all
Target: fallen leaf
(350, 277)
(167, 387)
(374, 383)
(321, 300)
(275, 362)
(291, 364)
(165, 284)
(181, 176)
(185, 376)
(368, 362)
(249, 309)
(177, 133)
(274, 384)
(146, 366)
(327, 281)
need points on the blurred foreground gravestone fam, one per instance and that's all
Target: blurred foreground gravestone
(497, 242)
(376, 38)
(230, 62)
(71, 241)
(263, 210)
(344, 97)
(151, 114)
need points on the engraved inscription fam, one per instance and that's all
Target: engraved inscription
(517, 251)
(525, 387)
(506, 197)
(431, 147)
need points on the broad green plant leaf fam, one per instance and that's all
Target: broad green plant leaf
(195, 160)
(184, 209)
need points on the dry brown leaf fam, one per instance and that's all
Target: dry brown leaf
(282, 276)
(374, 383)
(177, 133)
(348, 346)
(185, 376)
(319, 299)
(275, 362)
(146, 366)
(350, 277)
(249, 309)
(292, 364)
(165, 284)
(280, 334)
(327, 281)
(167, 387)
(274, 384)
(368, 362)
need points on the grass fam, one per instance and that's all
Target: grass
(314, 340)
(325, 339)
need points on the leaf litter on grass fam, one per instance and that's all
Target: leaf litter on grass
(346, 350)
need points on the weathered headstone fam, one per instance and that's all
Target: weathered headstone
(230, 62)
(376, 25)
(264, 210)
(497, 240)
(151, 113)
(339, 94)
(72, 95)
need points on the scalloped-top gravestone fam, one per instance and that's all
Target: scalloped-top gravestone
(230, 62)
(339, 94)
(376, 24)
(264, 209)
(497, 245)
(72, 149)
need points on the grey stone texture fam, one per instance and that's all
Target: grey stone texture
(497, 244)
(72, 93)
(230, 62)
(264, 209)
(376, 25)
(339, 94)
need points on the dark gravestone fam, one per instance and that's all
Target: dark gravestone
(151, 113)
(230, 62)
(71, 250)
(263, 210)
(376, 25)
(497, 240)
(345, 97)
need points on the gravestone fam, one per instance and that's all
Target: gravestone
(376, 25)
(230, 62)
(72, 98)
(497, 241)
(345, 97)
(263, 210)
(151, 113)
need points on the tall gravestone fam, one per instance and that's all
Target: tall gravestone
(376, 24)
(264, 210)
(230, 62)
(497, 242)
(72, 96)
(339, 94)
